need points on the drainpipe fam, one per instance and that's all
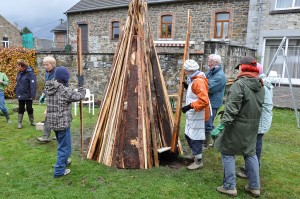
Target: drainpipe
(258, 22)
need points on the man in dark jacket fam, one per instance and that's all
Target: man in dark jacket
(216, 87)
(25, 91)
(239, 126)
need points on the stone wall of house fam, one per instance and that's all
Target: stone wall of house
(202, 29)
(270, 23)
(11, 32)
(97, 67)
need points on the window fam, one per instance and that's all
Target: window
(5, 42)
(292, 50)
(221, 25)
(166, 26)
(84, 37)
(287, 4)
(115, 29)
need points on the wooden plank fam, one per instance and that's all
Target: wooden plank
(176, 129)
(79, 63)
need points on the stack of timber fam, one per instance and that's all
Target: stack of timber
(135, 117)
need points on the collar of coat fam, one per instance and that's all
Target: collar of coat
(251, 75)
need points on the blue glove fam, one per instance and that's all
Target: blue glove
(42, 98)
(214, 134)
(186, 108)
(80, 80)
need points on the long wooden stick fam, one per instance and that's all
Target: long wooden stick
(79, 60)
(180, 91)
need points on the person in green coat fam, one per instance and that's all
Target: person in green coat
(4, 81)
(238, 128)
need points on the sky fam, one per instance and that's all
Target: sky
(39, 16)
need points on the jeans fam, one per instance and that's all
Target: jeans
(209, 125)
(195, 145)
(28, 106)
(63, 151)
(252, 171)
(2, 103)
(259, 146)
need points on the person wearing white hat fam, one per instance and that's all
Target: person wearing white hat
(196, 110)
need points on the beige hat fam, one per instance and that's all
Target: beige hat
(191, 65)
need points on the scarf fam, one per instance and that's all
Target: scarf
(251, 75)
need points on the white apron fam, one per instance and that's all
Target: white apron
(195, 121)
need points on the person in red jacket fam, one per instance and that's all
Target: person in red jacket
(197, 110)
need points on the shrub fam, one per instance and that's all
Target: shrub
(8, 60)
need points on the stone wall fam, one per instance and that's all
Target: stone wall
(11, 32)
(97, 67)
(202, 29)
(269, 23)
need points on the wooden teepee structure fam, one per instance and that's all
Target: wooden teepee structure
(135, 117)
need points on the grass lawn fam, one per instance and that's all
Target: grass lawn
(26, 166)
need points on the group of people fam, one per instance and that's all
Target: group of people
(58, 114)
(247, 116)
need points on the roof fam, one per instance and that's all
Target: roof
(61, 27)
(13, 25)
(93, 5)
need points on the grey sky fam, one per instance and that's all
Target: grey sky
(39, 16)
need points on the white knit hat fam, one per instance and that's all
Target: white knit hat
(190, 65)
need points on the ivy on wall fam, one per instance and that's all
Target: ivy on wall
(8, 65)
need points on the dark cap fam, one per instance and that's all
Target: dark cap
(247, 60)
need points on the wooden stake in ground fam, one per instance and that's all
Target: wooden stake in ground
(79, 61)
(180, 91)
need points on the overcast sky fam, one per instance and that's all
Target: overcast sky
(39, 16)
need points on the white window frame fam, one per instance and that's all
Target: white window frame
(282, 73)
(288, 8)
(5, 43)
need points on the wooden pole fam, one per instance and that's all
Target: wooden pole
(79, 60)
(180, 91)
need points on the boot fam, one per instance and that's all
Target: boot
(254, 192)
(31, 119)
(46, 136)
(207, 142)
(229, 192)
(7, 118)
(196, 164)
(20, 118)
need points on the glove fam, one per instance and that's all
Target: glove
(185, 85)
(214, 133)
(80, 80)
(186, 108)
(42, 98)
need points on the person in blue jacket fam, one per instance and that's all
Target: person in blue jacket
(50, 67)
(216, 87)
(25, 91)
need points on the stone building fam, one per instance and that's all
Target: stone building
(268, 22)
(218, 26)
(212, 20)
(10, 34)
(60, 35)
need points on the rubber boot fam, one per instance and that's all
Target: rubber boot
(46, 136)
(31, 119)
(20, 118)
(207, 142)
(7, 118)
